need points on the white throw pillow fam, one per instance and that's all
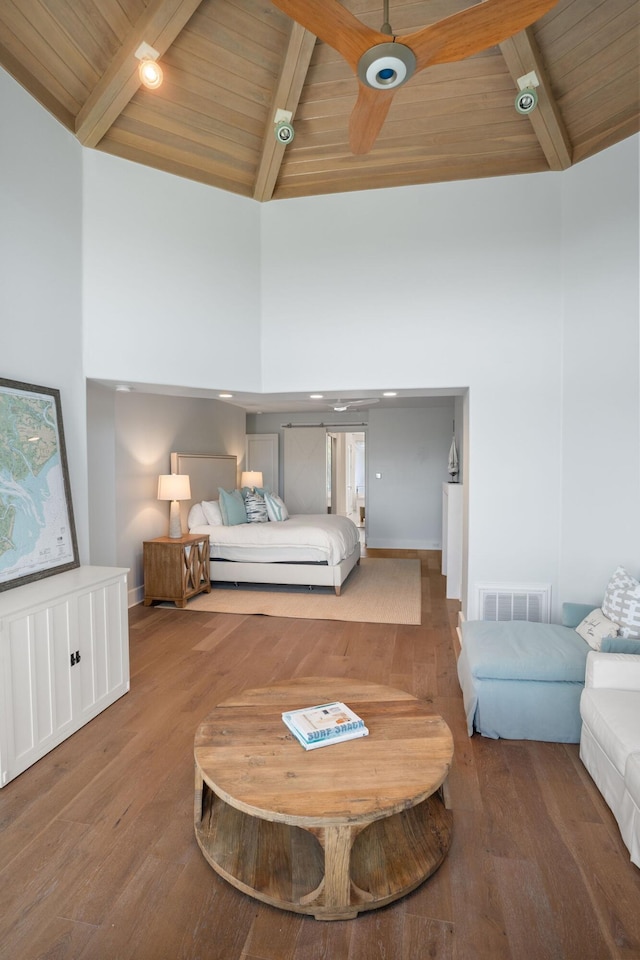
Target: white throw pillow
(275, 507)
(212, 513)
(596, 627)
(196, 517)
(622, 603)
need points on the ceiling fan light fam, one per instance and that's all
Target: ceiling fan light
(386, 65)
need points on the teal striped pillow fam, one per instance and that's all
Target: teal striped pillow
(275, 507)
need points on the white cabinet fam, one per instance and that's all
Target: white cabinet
(64, 657)
(452, 538)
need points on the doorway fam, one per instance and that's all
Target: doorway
(346, 473)
(355, 474)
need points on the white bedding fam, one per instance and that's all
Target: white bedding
(303, 538)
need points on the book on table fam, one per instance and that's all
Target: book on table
(324, 724)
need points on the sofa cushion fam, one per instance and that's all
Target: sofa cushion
(612, 717)
(519, 650)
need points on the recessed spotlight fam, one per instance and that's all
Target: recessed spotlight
(390, 393)
(225, 396)
(315, 396)
(123, 388)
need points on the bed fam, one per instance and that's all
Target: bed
(312, 550)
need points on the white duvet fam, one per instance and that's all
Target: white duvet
(303, 538)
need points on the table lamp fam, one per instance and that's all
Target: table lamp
(174, 487)
(251, 479)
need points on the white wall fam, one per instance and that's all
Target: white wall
(41, 270)
(601, 362)
(445, 286)
(523, 289)
(171, 279)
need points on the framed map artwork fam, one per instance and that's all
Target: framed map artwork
(37, 531)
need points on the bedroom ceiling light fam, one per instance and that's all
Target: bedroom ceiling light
(174, 487)
(389, 393)
(149, 71)
(225, 396)
(315, 396)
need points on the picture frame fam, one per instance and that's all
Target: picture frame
(37, 527)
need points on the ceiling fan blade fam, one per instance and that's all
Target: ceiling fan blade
(367, 117)
(473, 30)
(333, 24)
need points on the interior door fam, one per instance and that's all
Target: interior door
(305, 469)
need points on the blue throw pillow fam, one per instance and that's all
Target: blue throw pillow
(620, 645)
(232, 507)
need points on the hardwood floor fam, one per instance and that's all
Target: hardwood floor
(98, 859)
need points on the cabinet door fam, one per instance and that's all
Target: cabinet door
(103, 667)
(37, 685)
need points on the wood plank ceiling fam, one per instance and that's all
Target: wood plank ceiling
(230, 64)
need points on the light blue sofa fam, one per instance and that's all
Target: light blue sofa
(523, 681)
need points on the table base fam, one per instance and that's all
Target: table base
(328, 872)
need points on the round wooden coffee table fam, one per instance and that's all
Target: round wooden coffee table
(329, 832)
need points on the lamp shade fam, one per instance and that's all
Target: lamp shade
(251, 478)
(174, 486)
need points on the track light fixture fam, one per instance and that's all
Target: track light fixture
(527, 98)
(149, 71)
(283, 129)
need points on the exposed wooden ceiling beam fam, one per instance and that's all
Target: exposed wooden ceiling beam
(522, 55)
(286, 97)
(159, 26)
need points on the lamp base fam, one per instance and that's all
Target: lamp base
(175, 523)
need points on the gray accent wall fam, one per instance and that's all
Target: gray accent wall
(130, 442)
(409, 447)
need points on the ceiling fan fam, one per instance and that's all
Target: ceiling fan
(383, 62)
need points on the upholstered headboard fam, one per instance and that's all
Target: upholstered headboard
(206, 473)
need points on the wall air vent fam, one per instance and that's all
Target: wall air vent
(509, 601)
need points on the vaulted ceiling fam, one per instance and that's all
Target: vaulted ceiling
(230, 64)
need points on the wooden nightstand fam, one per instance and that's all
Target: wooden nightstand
(176, 568)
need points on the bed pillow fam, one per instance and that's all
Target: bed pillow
(622, 603)
(256, 508)
(275, 507)
(196, 517)
(212, 512)
(595, 628)
(232, 507)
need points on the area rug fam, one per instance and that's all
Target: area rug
(376, 591)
